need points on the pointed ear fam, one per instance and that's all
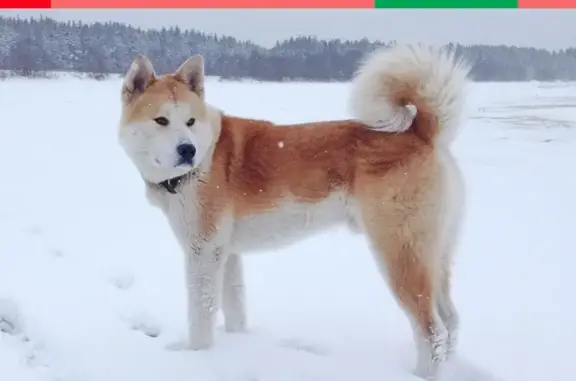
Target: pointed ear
(138, 78)
(191, 73)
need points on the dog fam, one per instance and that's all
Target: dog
(229, 185)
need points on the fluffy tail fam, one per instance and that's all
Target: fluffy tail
(411, 87)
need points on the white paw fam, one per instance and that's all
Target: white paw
(424, 374)
(235, 327)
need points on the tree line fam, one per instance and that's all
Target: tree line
(35, 45)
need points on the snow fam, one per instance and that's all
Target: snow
(91, 278)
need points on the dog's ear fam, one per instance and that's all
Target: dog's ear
(138, 78)
(191, 73)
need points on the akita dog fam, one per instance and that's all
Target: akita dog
(231, 185)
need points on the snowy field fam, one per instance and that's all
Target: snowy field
(91, 279)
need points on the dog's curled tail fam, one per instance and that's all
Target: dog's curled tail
(411, 87)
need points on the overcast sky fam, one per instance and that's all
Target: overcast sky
(552, 29)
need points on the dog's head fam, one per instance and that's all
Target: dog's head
(165, 127)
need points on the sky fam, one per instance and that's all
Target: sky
(550, 29)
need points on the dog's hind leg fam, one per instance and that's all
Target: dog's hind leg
(444, 303)
(402, 224)
(446, 309)
(453, 205)
(234, 299)
(412, 282)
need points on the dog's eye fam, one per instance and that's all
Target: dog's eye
(162, 121)
(190, 122)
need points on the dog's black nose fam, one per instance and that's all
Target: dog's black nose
(186, 152)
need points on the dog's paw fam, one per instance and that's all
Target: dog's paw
(235, 327)
(425, 373)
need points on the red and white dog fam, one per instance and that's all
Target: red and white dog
(231, 185)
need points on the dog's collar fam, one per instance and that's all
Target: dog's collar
(171, 185)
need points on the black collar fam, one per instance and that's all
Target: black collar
(171, 184)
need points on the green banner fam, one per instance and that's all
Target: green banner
(446, 4)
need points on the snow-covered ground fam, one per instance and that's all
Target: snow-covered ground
(91, 279)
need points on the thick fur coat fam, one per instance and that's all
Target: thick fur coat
(229, 186)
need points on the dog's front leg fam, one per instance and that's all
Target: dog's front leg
(204, 271)
(233, 295)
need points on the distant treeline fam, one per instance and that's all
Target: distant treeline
(29, 46)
